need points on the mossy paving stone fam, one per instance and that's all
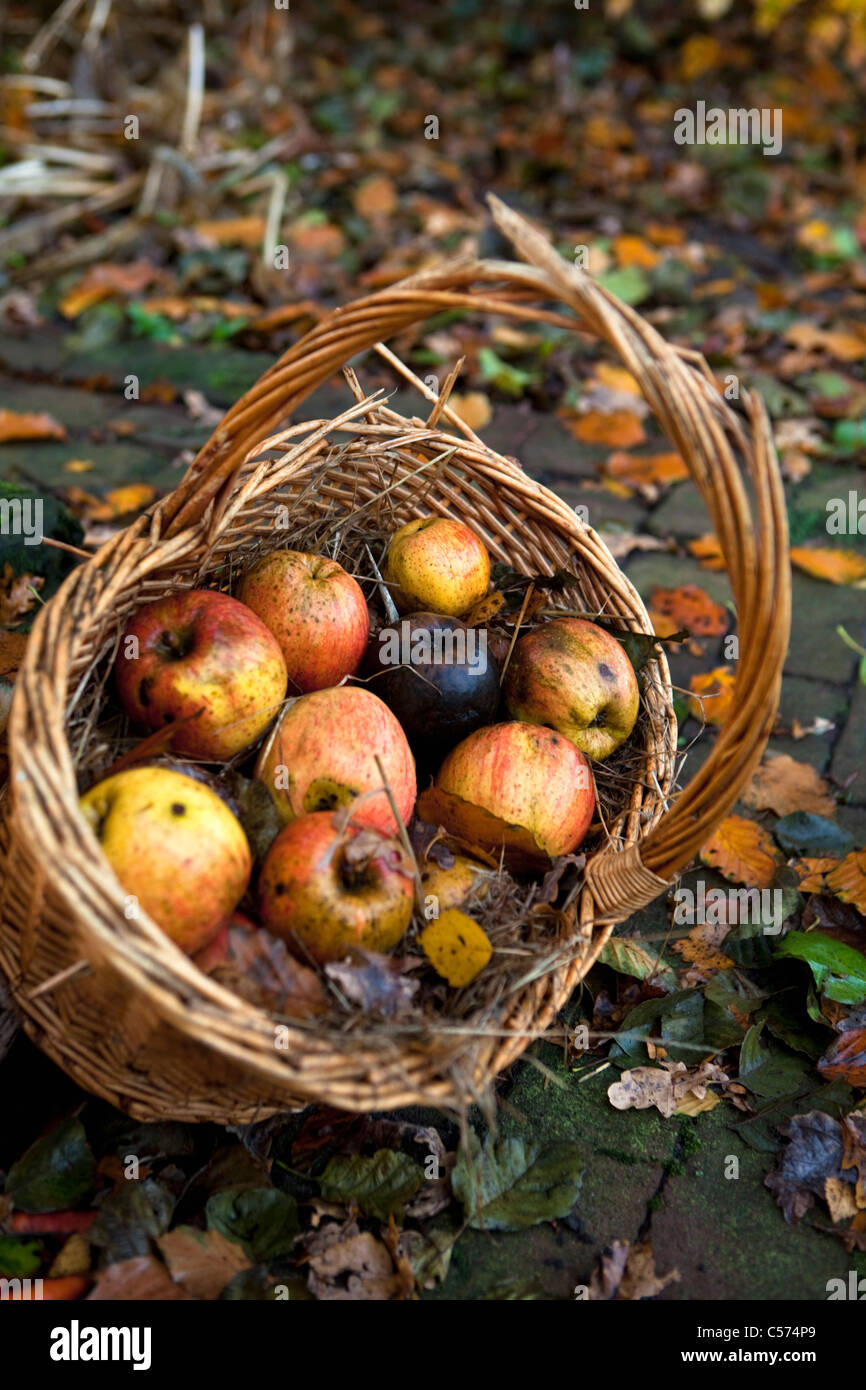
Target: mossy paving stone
(818, 609)
(849, 754)
(728, 1238)
(626, 1154)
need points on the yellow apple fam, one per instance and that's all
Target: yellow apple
(176, 848)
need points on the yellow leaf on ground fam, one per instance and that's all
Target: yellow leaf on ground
(743, 852)
(708, 551)
(617, 378)
(633, 250)
(712, 694)
(691, 607)
(132, 498)
(457, 948)
(783, 785)
(619, 428)
(700, 950)
(653, 469)
(848, 879)
(473, 408)
(845, 347)
(835, 566)
(78, 466)
(375, 197)
(28, 426)
(811, 873)
(699, 54)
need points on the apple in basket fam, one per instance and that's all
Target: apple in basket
(175, 847)
(516, 789)
(204, 658)
(438, 565)
(322, 755)
(316, 611)
(576, 678)
(324, 889)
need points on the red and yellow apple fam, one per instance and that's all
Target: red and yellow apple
(516, 789)
(322, 755)
(438, 565)
(175, 847)
(316, 611)
(452, 886)
(204, 658)
(324, 890)
(574, 677)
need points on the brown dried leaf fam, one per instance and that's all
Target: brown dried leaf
(16, 595)
(845, 1058)
(202, 1262)
(848, 879)
(742, 851)
(376, 983)
(142, 1279)
(258, 967)
(628, 1273)
(783, 785)
(347, 1264)
(663, 1087)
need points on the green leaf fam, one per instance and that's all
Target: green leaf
(55, 1173)
(629, 284)
(838, 970)
(681, 1020)
(19, 1257)
(850, 434)
(380, 1184)
(510, 1185)
(134, 1215)
(262, 1220)
(630, 957)
(753, 1053)
(504, 375)
(804, 833)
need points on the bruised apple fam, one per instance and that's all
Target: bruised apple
(175, 847)
(206, 659)
(516, 789)
(437, 676)
(316, 611)
(324, 890)
(451, 886)
(322, 755)
(438, 565)
(574, 677)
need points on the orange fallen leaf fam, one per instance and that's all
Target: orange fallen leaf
(742, 851)
(651, 470)
(834, 566)
(811, 873)
(619, 428)
(78, 466)
(103, 281)
(699, 54)
(691, 607)
(633, 250)
(375, 197)
(665, 234)
(232, 231)
(177, 307)
(783, 785)
(29, 426)
(700, 950)
(848, 879)
(845, 347)
(473, 408)
(712, 694)
(708, 551)
(131, 498)
(316, 241)
(617, 378)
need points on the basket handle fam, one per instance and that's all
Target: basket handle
(682, 393)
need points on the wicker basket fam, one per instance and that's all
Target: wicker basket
(113, 1001)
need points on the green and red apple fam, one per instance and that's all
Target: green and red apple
(315, 610)
(203, 658)
(574, 677)
(324, 890)
(322, 755)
